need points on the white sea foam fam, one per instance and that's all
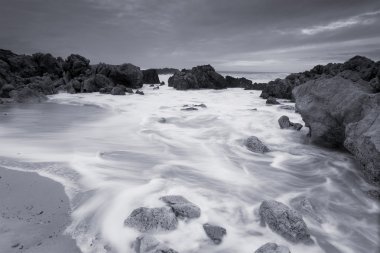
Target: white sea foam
(125, 158)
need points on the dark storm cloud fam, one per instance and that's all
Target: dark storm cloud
(266, 35)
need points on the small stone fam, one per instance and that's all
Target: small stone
(215, 233)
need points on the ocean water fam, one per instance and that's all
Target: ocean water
(114, 154)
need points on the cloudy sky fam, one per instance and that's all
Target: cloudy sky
(246, 35)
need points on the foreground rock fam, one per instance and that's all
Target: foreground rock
(182, 207)
(200, 77)
(254, 144)
(215, 233)
(272, 248)
(149, 244)
(150, 76)
(340, 112)
(152, 219)
(284, 221)
(285, 123)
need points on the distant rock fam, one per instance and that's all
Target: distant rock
(139, 92)
(182, 207)
(253, 144)
(285, 123)
(215, 233)
(233, 82)
(150, 76)
(284, 221)
(340, 112)
(149, 244)
(126, 74)
(118, 90)
(76, 65)
(27, 95)
(152, 219)
(191, 108)
(272, 101)
(256, 86)
(95, 83)
(200, 77)
(272, 248)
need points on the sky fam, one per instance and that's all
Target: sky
(236, 35)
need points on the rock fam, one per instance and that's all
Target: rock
(306, 208)
(201, 105)
(156, 88)
(285, 123)
(182, 207)
(95, 83)
(4, 92)
(27, 95)
(106, 90)
(285, 221)
(233, 82)
(340, 112)
(126, 74)
(162, 83)
(272, 101)
(200, 77)
(287, 107)
(75, 65)
(189, 109)
(253, 144)
(118, 90)
(162, 120)
(152, 219)
(256, 86)
(129, 90)
(150, 76)
(215, 233)
(46, 63)
(149, 244)
(139, 92)
(272, 248)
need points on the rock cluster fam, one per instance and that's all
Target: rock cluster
(285, 123)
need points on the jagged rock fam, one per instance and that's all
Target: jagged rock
(284, 221)
(118, 90)
(139, 92)
(182, 207)
(253, 144)
(340, 112)
(272, 101)
(96, 82)
(75, 65)
(200, 77)
(242, 82)
(150, 76)
(272, 248)
(152, 219)
(27, 95)
(285, 123)
(149, 244)
(215, 233)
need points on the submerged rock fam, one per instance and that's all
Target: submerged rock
(285, 123)
(284, 221)
(272, 248)
(182, 207)
(272, 101)
(253, 144)
(189, 109)
(149, 244)
(215, 233)
(152, 219)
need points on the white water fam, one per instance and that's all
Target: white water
(119, 158)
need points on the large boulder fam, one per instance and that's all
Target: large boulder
(182, 207)
(285, 221)
(340, 112)
(75, 65)
(150, 76)
(233, 82)
(200, 77)
(126, 74)
(146, 219)
(272, 248)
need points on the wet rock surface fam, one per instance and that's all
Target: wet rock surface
(215, 233)
(182, 207)
(285, 123)
(254, 144)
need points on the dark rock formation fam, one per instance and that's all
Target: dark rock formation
(75, 65)
(152, 219)
(96, 82)
(256, 86)
(285, 123)
(215, 233)
(149, 244)
(27, 95)
(182, 207)
(284, 221)
(150, 76)
(272, 101)
(272, 248)
(233, 82)
(354, 69)
(139, 92)
(200, 77)
(253, 144)
(126, 74)
(341, 112)
(118, 90)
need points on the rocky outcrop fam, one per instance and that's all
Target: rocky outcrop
(285, 123)
(150, 76)
(254, 144)
(272, 248)
(354, 69)
(285, 221)
(233, 82)
(215, 233)
(200, 77)
(146, 219)
(344, 113)
(126, 74)
(182, 207)
(256, 86)
(76, 65)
